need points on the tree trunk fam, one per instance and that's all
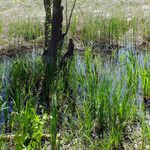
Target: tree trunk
(48, 16)
(53, 46)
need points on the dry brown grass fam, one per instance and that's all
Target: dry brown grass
(85, 9)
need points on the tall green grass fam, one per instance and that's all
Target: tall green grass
(28, 29)
(105, 99)
(104, 30)
(145, 71)
(30, 128)
(26, 75)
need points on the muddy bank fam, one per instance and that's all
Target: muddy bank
(12, 51)
(20, 46)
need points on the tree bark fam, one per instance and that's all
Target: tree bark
(48, 16)
(53, 45)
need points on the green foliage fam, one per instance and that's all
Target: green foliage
(26, 76)
(117, 27)
(28, 30)
(74, 25)
(145, 71)
(105, 99)
(54, 122)
(2, 104)
(30, 129)
(105, 29)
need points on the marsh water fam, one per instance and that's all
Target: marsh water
(107, 61)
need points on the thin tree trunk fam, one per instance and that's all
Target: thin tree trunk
(48, 16)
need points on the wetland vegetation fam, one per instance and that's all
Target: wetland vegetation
(96, 94)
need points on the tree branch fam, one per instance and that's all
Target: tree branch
(69, 22)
